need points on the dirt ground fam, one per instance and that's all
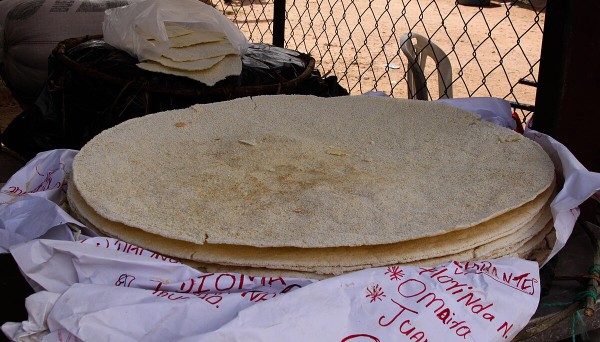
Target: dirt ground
(489, 48)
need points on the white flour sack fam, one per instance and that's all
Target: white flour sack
(32, 28)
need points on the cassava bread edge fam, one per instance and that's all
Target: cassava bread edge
(516, 222)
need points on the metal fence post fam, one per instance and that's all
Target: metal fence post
(278, 22)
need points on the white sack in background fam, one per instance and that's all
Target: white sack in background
(32, 29)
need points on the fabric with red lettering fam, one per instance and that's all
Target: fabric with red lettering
(103, 280)
(471, 301)
(116, 289)
(30, 200)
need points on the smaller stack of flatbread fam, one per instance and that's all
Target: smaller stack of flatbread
(313, 187)
(202, 55)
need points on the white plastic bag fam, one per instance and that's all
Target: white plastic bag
(119, 27)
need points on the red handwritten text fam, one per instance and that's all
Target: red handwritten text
(222, 282)
(416, 289)
(521, 282)
(128, 248)
(405, 327)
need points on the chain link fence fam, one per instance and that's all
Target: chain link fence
(491, 49)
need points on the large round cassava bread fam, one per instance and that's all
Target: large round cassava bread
(229, 65)
(275, 171)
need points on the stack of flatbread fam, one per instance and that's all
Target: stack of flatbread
(314, 187)
(202, 55)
